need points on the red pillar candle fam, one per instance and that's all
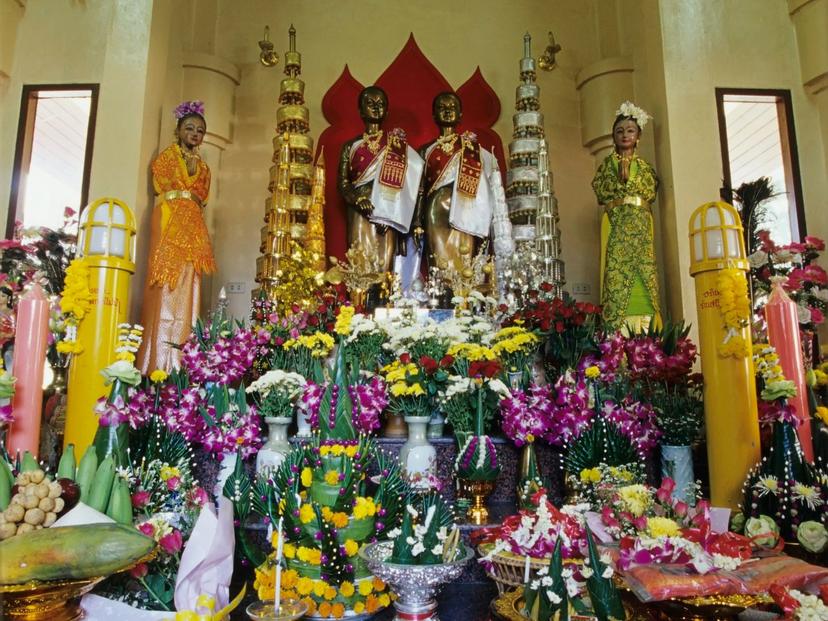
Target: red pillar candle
(30, 340)
(783, 334)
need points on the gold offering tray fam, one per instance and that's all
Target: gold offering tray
(509, 607)
(57, 600)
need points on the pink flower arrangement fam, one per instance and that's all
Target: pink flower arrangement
(180, 411)
(526, 415)
(232, 430)
(172, 542)
(119, 411)
(369, 400)
(535, 532)
(635, 420)
(311, 403)
(224, 361)
(647, 360)
(6, 416)
(572, 414)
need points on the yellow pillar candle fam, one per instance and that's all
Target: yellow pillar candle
(107, 243)
(718, 265)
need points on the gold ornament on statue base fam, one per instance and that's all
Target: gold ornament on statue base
(361, 269)
(475, 273)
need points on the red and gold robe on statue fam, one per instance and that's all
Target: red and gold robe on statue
(395, 170)
(180, 253)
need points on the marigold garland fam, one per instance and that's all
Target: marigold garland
(75, 303)
(734, 308)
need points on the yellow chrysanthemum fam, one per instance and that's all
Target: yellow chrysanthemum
(158, 376)
(365, 588)
(306, 514)
(304, 585)
(343, 320)
(319, 587)
(822, 414)
(324, 450)
(662, 527)
(592, 372)
(168, 472)
(289, 578)
(346, 589)
(351, 547)
(339, 519)
(331, 477)
(311, 604)
(591, 475)
(289, 550)
(307, 477)
(636, 498)
(325, 609)
(384, 600)
(338, 610)
(351, 450)
(329, 593)
(359, 608)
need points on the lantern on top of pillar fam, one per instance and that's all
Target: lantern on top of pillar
(106, 243)
(719, 266)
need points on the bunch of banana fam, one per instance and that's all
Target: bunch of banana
(100, 488)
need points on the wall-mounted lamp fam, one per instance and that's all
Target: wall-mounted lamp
(267, 56)
(547, 61)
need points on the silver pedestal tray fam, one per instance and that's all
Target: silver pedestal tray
(416, 586)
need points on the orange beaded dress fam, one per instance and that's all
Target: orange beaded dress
(180, 253)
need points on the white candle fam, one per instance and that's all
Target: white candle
(526, 571)
(277, 600)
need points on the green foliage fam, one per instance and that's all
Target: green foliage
(605, 599)
(601, 443)
(680, 413)
(432, 513)
(393, 491)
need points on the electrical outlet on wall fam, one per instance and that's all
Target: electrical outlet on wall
(581, 288)
(236, 287)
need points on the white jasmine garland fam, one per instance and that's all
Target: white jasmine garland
(554, 597)
(417, 549)
(629, 109)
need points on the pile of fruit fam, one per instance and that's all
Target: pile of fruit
(32, 500)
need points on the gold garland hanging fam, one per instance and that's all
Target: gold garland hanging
(734, 308)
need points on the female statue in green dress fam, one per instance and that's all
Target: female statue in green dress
(625, 186)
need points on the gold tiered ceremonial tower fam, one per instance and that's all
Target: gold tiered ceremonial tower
(287, 211)
(530, 196)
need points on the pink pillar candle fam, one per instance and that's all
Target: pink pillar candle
(30, 340)
(783, 334)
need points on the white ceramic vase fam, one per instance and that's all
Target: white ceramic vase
(272, 454)
(417, 456)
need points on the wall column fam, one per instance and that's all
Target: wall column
(213, 80)
(810, 20)
(603, 85)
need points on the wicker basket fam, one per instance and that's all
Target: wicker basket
(507, 569)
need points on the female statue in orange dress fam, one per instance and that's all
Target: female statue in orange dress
(180, 250)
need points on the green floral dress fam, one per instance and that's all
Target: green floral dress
(630, 282)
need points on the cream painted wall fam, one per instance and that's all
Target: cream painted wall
(331, 33)
(681, 49)
(747, 44)
(53, 46)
